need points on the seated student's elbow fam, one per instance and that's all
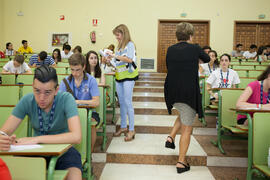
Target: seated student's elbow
(77, 139)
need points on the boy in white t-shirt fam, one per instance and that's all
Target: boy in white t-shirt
(16, 66)
(224, 77)
(251, 54)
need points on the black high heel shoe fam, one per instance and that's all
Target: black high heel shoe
(169, 144)
(182, 169)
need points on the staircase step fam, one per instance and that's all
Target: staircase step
(114, 171)
(152, 78)
(149, 83)
(159, 89)
(149, 149)
(162, 124)
(148, 97)
(152, 74)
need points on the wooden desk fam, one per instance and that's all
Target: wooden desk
(54, 150)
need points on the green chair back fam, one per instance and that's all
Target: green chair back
(234, 63)
(27, 90)
(25, 78)
(243, 67)
(245, 81)
(61, 70)
(261, 67)
(100, 108)
(110, 81)
(254, 73)
(261, 134)
(82, 146)
(62, 64)
(242, 73)
(21, 131)
(8, 79)
(206, 94)
(9, 95)
(229, 98)
(61, 77)
(26, 168)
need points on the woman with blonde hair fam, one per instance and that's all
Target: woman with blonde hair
(126, 73)
(181, 88)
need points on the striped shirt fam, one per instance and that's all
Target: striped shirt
(34, 60)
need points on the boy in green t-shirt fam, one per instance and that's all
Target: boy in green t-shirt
(54, 118)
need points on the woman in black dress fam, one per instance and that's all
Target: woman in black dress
(181, 88)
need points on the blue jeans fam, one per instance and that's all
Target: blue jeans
(124, 91)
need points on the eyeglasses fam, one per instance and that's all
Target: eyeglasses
(46, 92)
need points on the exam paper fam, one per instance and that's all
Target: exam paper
(23, 147)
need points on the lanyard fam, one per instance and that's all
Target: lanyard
(42, 130)
(267, 98)
(224, 82)
(210, 68)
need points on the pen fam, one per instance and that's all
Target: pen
(5, 134)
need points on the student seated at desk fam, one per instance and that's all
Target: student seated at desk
(224, 77)
(56, 55)
(83, 87)
(16, 66)
(9, 51)
(25, 49)
(41, 59)
(256, 95)
(54, 118)
(207, 68)
(238, 53)
(261, 57)
(93, 68)
(66, 53)
(251, 53)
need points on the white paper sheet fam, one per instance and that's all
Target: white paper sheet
(23, 147)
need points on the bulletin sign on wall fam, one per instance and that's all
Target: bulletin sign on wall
(60, 39)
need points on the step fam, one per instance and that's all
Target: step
(154, 108)
(149, 83)
(162, 124)
(152, 78)
(113, 171)
(148, 97)
(152, 74)
(159, 89)
(149, 149)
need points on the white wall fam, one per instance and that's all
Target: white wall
(141, 16)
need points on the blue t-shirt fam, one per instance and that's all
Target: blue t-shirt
(34, 60)
(85, 91)
(65, 108)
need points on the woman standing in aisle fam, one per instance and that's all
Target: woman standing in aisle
(181, 88)
(126, 73)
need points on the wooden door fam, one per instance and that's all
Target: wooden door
(263, 34)
(167, 37)
(248, 33)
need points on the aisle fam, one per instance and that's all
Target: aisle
(146, 157)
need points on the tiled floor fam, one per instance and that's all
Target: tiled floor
(155, 172)
(146, 158)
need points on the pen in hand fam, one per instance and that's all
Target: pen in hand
(5, 134)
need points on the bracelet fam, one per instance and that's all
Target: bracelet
(259, 106)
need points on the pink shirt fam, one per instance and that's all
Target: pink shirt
(255, 97)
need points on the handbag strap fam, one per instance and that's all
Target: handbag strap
(69, 89)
